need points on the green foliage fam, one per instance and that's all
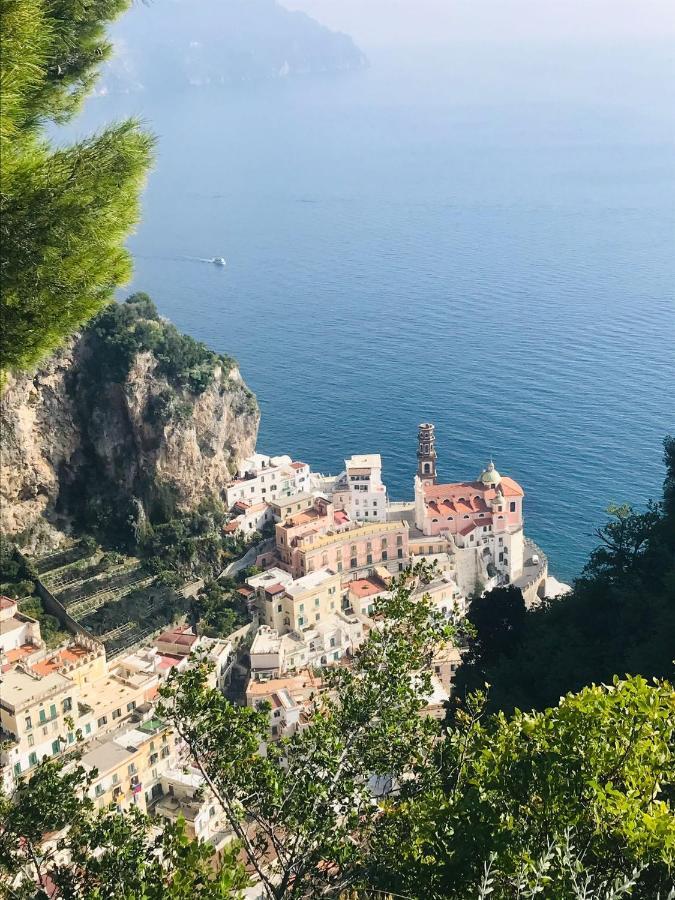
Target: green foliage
(64, 213)
(191, 544)
(311, 795)
(101, 854)
(586, 786)
(123, 330)
(15, 570)
(619, 618)
(218, 611)
(50, 627)
(572, 802)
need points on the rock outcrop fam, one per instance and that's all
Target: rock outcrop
(74, 440)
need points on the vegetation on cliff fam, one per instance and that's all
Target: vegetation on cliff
(620, 616)
(64, 212)
(123, 330)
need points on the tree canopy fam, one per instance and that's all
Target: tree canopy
(64, 211)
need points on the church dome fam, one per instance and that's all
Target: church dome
(490, 476)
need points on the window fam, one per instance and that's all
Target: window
(131, 768)
(17, 768)
(56, 747)
(317, 602)
(67, 704)
(317, 617)
(71, 737)
(369, 559)
(29, 722)
(301, 607)
(102, 721)
(400, 567)
(99, 789)
(165, 752)
(115, 778)
(399, 540)
(353, 562)
(279, 607)
(32, 759)
(52, 711)
(131, 706)
(400, 553)
(301, 621)
(385, 555)
(87, 728)
(512, 506)
(43, 715)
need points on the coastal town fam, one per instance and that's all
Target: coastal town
(327, 549)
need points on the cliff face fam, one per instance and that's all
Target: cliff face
(78, 443)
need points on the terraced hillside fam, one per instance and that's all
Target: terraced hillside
(114, 597)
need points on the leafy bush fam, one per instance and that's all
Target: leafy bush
(218, 610)
(123, 330)
(50, 627)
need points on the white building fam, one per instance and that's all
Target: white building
(325, 644)
(263, 478)
(360, 491)
(17, 631)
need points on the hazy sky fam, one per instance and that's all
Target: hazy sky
(376, 22)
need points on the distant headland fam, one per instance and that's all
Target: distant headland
(230, 42)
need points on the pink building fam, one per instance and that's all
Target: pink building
(323, 537)
(485, 515)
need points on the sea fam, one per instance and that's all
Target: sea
(478, 236)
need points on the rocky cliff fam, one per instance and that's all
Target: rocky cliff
(129, 420)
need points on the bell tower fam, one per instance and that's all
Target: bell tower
(426, 453)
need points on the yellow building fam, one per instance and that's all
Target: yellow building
(130, 765)
(50, 698)
(296, 604)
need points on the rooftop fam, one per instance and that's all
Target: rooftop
(106, 756)
(367, 587)
(364, 461)
(19, 689)
(266, 641)
(355, 533)
(71, 654)
(309, 582)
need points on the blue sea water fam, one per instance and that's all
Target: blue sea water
(480, 237)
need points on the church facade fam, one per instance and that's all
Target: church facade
(484, 517)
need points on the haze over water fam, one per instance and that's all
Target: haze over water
(481, 237)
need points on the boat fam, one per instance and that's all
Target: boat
(218, 261)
